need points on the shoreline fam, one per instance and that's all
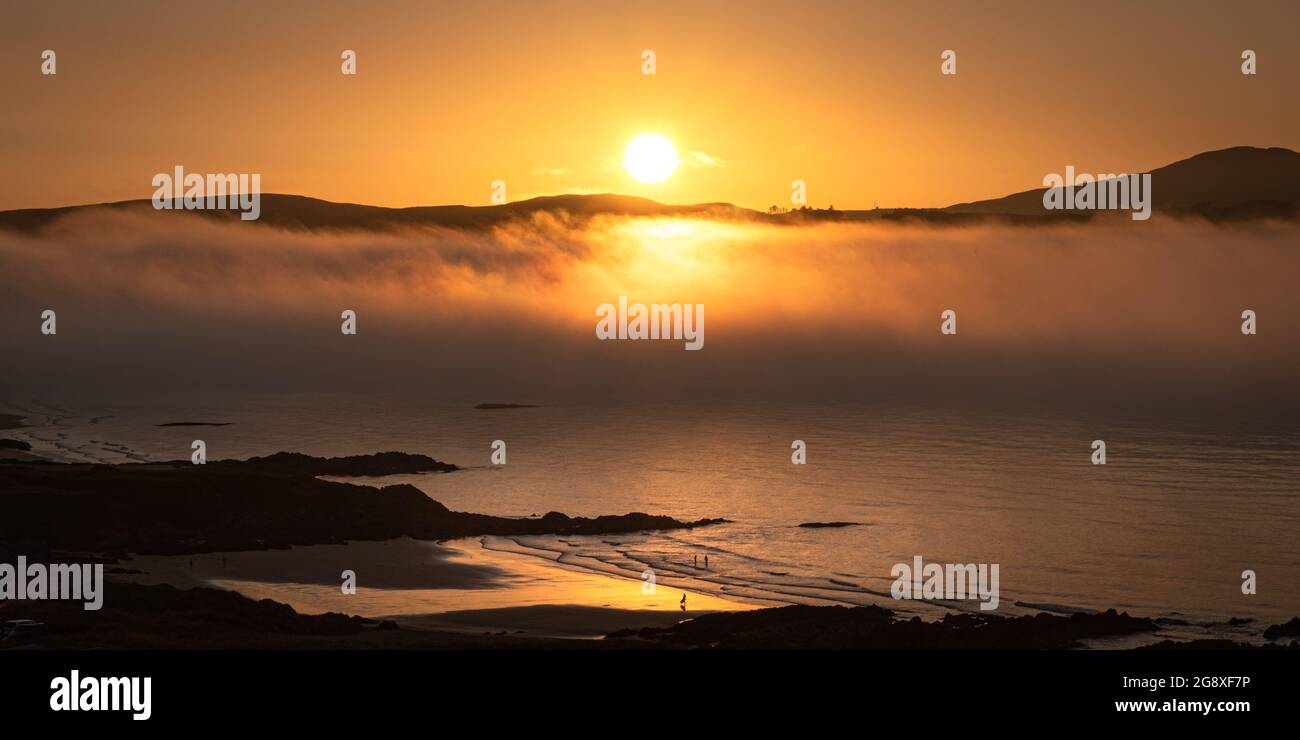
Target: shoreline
(163, 617)
(465, 587)
(283, 529)
(457, 585)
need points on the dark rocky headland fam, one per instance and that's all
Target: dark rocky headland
(177, 507)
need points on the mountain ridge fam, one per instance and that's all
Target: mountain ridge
(1237, 183)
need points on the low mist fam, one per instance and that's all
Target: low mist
(1138, 315)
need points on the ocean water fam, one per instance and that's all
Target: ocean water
(1164, 529)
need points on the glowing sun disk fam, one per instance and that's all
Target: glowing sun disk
(650, 158)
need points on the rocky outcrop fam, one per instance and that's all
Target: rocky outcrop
(266, 502)
(380, 463)
(1290, 629)
(873, 627)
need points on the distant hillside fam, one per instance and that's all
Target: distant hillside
(1229, 184)
(1241, 181)
(299, 212)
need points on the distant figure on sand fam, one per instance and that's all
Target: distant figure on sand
(697, 561)
(706, 562)
(683, 602)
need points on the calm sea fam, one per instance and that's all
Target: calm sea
(1164, 529)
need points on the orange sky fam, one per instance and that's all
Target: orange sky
(545, 95)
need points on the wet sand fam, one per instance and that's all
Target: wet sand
(456, 585)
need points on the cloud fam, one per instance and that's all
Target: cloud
(701, 159)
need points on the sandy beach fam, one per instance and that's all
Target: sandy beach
(455, 585)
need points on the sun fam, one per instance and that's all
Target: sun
(650, 158)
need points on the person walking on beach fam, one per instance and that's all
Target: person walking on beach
(706, 562)
(683, 602)
(697, 561)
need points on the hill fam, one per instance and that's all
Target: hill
(1239, 183)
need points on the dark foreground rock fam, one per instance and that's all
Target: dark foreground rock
(138, 617)
(1215, 644)
(1290, 629)
(164, 615)
(876, 628)
(275, 501)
